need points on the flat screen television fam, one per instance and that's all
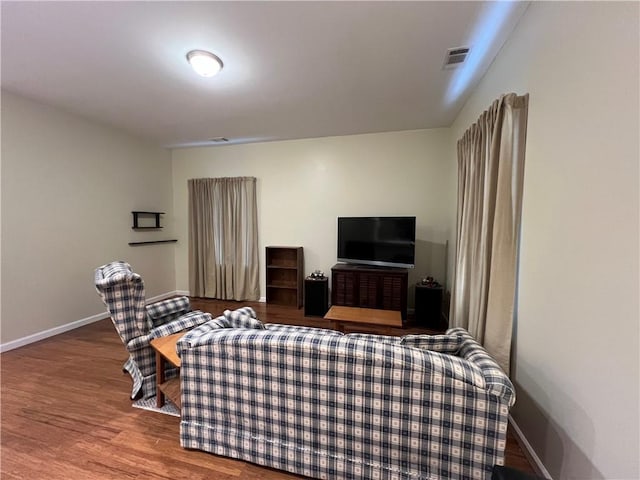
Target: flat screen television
(379, 241)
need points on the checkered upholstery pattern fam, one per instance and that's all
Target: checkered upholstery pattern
(335, 406)
(278, 327)
(243, 319)
(122, 292)
(436, 343)
(201, 334)
(167, 310)
(243, 311)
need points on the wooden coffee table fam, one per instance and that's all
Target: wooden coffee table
(165, 348)
(343, 316)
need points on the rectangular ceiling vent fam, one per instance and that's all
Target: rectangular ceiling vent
(455, 57)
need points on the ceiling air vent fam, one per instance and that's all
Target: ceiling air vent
(218, 139)
(455, 56)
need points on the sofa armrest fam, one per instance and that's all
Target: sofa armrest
(497, 381)
(465, 358)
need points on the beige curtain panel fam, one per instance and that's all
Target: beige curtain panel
(490, 177)
(223, 238)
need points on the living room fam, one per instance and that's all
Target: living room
(70, 183)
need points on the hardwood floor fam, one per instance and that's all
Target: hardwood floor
(66, 413)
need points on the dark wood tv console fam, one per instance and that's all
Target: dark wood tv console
(369, 287)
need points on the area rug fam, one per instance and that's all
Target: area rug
(150, 404)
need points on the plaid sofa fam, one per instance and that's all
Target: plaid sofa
(326, 405)
(122, 292)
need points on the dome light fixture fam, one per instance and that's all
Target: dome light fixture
(204, 63)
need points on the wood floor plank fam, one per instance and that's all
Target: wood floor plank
(66, 413)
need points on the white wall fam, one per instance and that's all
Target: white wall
(577, 322)
(304, 185)
(68, 189)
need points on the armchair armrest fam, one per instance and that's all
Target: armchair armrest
(138, 343)
(166, 310)
(190, 320)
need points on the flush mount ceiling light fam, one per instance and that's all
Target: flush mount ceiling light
(204, 63)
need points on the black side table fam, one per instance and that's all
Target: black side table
(316, 296)
(428, 306)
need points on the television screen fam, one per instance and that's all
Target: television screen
(380, 241)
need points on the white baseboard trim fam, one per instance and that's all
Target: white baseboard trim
(36, 337)
(528, 450)
(263, 299)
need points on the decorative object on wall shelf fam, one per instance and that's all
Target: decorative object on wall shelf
(138, 215)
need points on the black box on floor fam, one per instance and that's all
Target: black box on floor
(428, 306)
(316, 297)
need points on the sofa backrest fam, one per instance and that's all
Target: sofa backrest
(458, 343)
(454, 355)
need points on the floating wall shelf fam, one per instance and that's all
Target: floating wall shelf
(137, 215)
(155, 217)
(133, 244)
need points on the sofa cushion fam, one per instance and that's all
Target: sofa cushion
(202, 333)
(247, 311)
(242, 318)
(278, 327)
(435, 343)
(393, 340)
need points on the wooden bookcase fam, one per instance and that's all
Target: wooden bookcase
(285, 275)
(369, 287)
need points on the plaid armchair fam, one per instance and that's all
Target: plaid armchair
(122, 291)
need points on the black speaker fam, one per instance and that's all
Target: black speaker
(428, 307)
(316, 297)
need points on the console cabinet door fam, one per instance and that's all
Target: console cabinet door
(343, 289)
(391, 292)
(369, 289)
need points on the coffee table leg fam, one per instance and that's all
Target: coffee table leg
(159, 379)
